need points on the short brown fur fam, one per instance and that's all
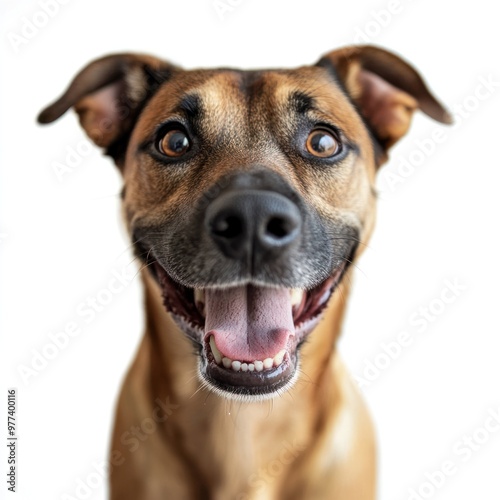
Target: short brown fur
(315, 441)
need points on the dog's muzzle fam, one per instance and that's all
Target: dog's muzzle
(247, 276)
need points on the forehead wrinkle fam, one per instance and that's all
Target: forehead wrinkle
(320, 97)
(188, 93)
(221, 99)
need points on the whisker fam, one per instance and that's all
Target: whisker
(355, 265)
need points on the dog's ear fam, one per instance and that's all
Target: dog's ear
(108, 95)
(386, 90)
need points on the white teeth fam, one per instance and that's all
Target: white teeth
(237, 366)
(199, 300)
(215, 351)
(278, 359)
(199, 295)
(324, 297)
(268, 363)
(296, 295)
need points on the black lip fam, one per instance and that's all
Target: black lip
(237, 384)
(248, 383)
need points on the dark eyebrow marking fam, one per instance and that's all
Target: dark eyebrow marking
(301, 102)
(190, 105)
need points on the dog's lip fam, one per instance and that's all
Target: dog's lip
(240, 384)
(179, 301)
(314, 302)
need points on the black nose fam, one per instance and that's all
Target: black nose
(251, 222)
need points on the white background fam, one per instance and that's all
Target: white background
(61, 239)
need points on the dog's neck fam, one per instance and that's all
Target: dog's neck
(174, 376)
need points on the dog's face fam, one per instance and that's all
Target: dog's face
(248, 193)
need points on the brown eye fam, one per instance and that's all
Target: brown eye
(322, 143)
(174, 143)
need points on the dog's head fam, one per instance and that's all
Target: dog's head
(248, 193)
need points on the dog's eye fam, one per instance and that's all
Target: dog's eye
(322, 143)
(174, 143)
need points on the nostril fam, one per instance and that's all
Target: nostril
(244, 224)
(278, 227)
(228, 227)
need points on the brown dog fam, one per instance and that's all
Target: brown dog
(248, 194)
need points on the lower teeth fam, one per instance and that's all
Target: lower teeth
(258, 366)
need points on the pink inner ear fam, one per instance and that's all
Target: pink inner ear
(387, 108)
(99, 114)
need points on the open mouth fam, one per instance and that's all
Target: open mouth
(249, 336)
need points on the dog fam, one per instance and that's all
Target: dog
(248, 195)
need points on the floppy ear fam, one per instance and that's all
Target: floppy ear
(386, 90)
(108, 95)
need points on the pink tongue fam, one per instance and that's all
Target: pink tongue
(249, 323)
